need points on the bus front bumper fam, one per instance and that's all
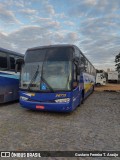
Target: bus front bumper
(55, 107)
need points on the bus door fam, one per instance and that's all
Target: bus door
(76, 87)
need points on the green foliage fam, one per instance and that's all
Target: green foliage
(117, 61)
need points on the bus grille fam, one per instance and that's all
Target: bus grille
(1, 98)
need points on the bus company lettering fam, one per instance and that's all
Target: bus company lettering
(60, 95)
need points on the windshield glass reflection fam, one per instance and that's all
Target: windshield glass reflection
(57, 74)
(47, 69)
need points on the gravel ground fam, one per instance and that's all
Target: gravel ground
(95, 125)
(108, 87)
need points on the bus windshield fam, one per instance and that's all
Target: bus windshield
(47, 70)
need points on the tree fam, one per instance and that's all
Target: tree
(117, 61)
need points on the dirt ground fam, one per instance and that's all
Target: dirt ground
(94, 126)
(108, 87)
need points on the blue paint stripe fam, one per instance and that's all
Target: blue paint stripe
(10, 76)
(8, 72)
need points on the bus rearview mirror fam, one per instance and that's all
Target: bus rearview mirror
(18, 64)
(20, 61)
(76, 60)
(78, 70)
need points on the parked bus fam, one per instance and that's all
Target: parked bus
(9, 80)
(55, 78)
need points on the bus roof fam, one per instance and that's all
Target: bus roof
(50, 46)
(11, 52)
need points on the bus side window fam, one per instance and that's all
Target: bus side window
(89, 68)
(12, 63)
(3, 60)
(75, 80)
(77, 53)
(75, 72)
(82, 63)
(86, 66)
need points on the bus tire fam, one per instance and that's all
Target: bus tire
(93, 89)
(82, 97)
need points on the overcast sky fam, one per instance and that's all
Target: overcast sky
(93, 25)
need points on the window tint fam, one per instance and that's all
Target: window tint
(50, 54)
(75, 73)
(12, 62)
(35, 55)
(77, 53)
(59, 54)
(89, 68)
(92, 70)
(82, 63)
(3, 60)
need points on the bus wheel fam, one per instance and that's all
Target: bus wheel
(92, 89)
(82, 97)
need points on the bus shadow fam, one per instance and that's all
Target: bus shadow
(9, 103)
(51, 113)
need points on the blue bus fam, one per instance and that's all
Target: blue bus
(55, 78)
(9, 80)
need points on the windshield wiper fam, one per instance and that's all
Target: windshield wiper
(34, 77)
(43, 79)
(51, 89)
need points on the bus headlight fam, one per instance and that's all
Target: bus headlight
(23, 98)
(65, 100)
